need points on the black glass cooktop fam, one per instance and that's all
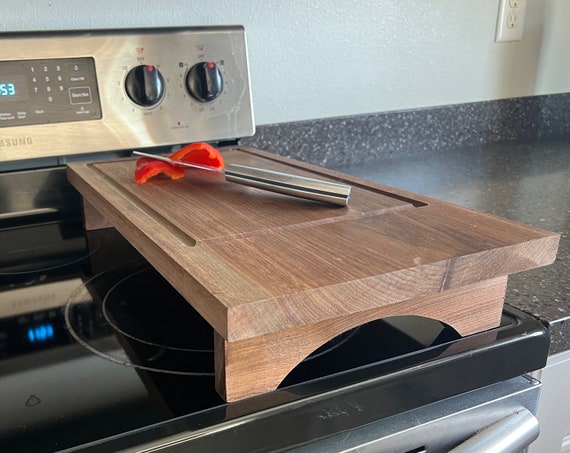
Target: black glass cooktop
(95, 344)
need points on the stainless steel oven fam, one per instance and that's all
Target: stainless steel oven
(99, 353)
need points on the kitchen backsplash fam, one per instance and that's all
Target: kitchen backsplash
(337, 141)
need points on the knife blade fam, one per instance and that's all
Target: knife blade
(274, 181)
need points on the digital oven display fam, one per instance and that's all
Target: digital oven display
(13, 87)
(48, 91)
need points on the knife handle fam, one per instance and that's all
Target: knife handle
(284, 183)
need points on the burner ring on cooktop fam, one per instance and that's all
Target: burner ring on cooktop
(107, 311)
(131, 316)
(90, 319)
(39, 269)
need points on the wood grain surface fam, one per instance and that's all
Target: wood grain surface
(257, 365)
(260, 265)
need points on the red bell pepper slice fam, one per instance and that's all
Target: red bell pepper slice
(200, 153)
(146, 168)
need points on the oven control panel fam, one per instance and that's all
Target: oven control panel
(48, 91)
(66, 93)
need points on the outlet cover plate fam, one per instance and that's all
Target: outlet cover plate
(510, 20)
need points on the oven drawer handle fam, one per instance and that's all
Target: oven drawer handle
(512, 434)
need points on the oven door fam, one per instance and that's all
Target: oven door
(496, 418)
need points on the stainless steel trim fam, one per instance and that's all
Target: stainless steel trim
(178, 118)
(436, 427)
(509, 435)
(297, 186)
(566, 444)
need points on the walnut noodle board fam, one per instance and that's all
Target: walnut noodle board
(278, 276)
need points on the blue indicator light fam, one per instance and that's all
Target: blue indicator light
(40, 334)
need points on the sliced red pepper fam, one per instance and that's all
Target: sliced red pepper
(200, 153)
(147, 168)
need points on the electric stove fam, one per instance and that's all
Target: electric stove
(99, 353)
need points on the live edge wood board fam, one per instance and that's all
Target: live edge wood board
(278, 276)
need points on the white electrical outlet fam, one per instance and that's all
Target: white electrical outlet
(510, 21)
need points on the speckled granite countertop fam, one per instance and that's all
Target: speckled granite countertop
(526, 183)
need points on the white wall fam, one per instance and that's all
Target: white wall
(325, 58)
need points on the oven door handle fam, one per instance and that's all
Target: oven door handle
(512, 434)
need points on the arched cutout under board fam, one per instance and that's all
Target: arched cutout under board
(373, 342)
(259, 364)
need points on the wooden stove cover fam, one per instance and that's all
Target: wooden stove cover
(273, 273)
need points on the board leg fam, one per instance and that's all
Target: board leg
(92, 218)
(257, 365)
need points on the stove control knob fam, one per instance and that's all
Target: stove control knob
(204, 81)
(144, 85)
